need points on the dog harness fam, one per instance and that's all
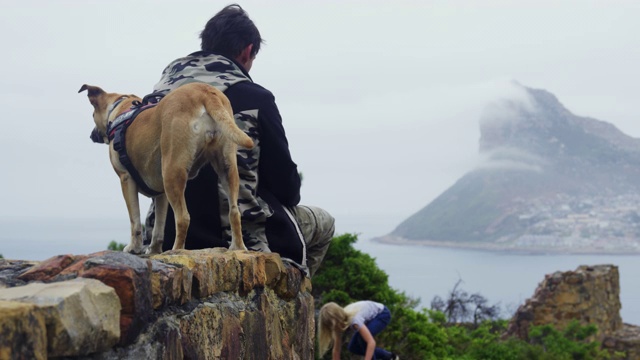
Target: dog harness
(117, 130)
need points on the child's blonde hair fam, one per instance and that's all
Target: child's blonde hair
(332, 322)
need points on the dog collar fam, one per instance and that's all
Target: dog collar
(114, 105)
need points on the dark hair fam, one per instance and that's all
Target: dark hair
(229, 32)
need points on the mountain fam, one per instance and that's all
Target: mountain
(550, 181)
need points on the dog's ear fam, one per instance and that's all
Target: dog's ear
(93, 92)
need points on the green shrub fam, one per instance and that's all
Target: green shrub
(348, 275)
(352, 272)
(115, 246)
(571, 343)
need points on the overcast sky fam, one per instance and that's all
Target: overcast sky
(380, 100)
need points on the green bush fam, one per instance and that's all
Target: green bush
(571, 343)
(115, 246)
(348, 275)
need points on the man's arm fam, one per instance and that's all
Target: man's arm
(278, 173)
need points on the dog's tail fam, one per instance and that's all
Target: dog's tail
(224, 117)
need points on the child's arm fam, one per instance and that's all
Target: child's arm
(368, 338)
(337, 344)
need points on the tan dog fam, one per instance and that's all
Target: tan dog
(168, 144)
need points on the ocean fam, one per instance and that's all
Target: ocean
(421, 272)
(504, 278)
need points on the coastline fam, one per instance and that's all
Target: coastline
(489, 247)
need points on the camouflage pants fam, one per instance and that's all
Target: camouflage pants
(317, 227)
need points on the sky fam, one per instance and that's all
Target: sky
(380, 100)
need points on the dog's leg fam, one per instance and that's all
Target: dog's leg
(227, 169)
(175, 181)
(130, 193)
(178, 156)
(157, 236)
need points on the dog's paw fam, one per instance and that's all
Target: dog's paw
(153, 249)
(132, 249)
(235, 247)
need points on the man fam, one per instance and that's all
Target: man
(269, 195)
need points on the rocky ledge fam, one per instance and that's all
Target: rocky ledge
(186, 304)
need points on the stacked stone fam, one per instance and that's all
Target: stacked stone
(200, 304)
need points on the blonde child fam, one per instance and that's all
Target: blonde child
(366, 317)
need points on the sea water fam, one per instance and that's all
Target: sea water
(504, 278)
(421, 272)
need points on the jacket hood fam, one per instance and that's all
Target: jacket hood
(217, 70)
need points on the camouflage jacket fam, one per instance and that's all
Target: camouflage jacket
(269, 179)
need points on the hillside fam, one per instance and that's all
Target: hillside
(550, 181)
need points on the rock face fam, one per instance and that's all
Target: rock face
(23, 334)
(590, 295)
(200, 304)
(550, 181)
(81, 315)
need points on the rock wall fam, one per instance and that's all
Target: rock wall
(220, 304)
(199, 304)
